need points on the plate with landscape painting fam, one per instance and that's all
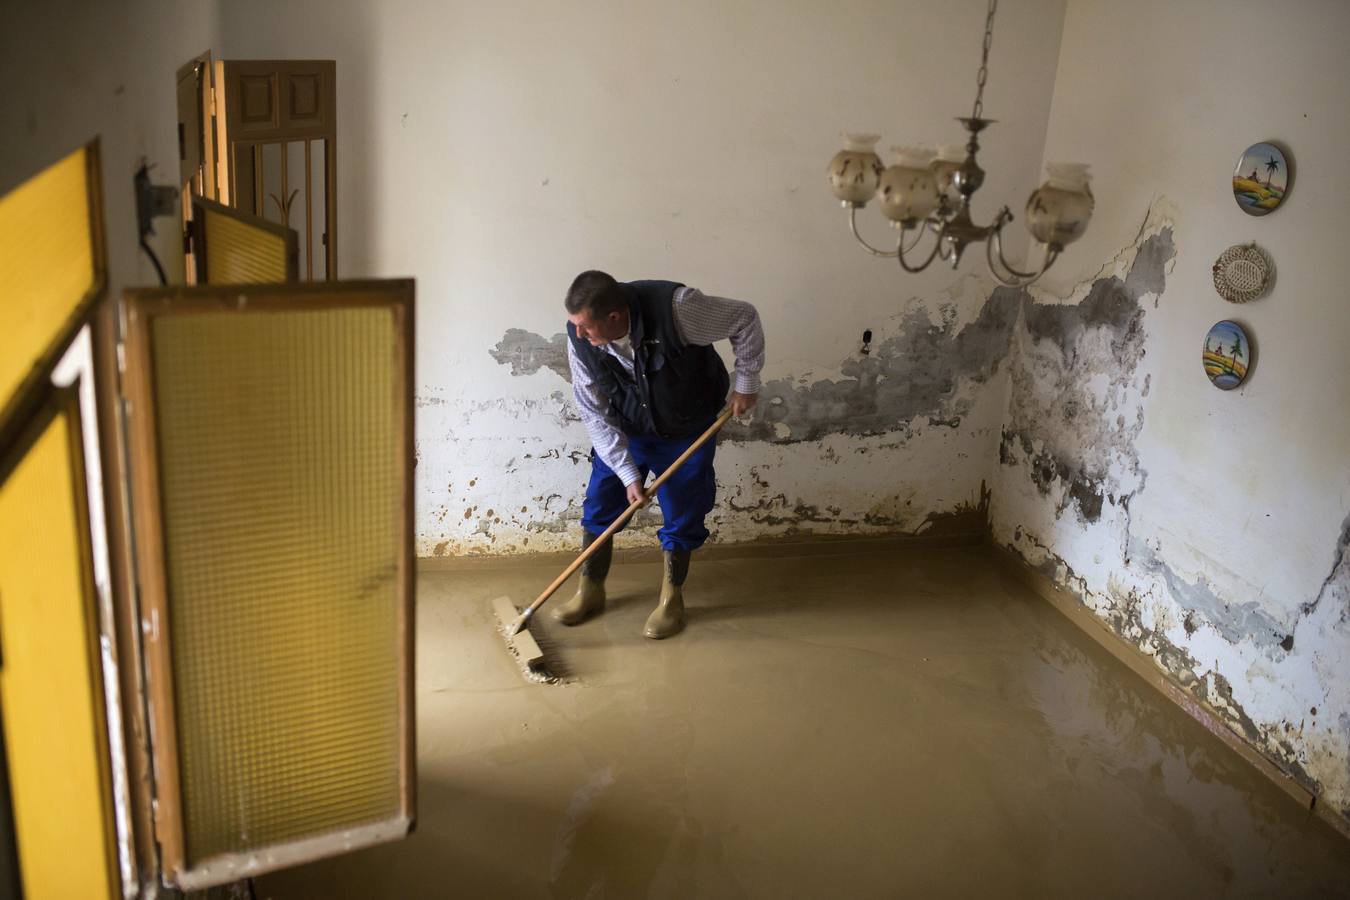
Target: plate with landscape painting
(1228, 355)
(1261, 179)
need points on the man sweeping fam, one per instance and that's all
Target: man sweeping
(647, 382)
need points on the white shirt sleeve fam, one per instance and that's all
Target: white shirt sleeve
(610, 443)
(704, 320)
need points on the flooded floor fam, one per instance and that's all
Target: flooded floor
(878, 724)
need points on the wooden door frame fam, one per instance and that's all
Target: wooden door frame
(238, 145)
(203, 182)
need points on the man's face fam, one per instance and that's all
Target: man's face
(600, 329)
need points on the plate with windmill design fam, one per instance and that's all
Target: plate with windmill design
(1261, 179)
(1227, 355)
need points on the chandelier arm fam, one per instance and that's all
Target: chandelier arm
(1018, 278)
(945, 250)
(995, 243)
(853, 226)
(918, 236)
(923, 265)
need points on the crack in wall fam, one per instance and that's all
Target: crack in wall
(1337, 580)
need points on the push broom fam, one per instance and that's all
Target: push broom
(515, 625)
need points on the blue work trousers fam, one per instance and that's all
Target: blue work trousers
(686, 498)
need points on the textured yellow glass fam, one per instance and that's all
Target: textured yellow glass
(281, 477)
(46, 264)
(49, 685)
(240, 253)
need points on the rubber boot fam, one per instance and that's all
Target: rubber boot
(590, 596)
(668, 617)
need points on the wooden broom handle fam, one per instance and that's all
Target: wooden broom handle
(627, 513)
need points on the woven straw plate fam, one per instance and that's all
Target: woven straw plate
(1241, 273)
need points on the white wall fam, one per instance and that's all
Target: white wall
(79, 69)
(494, 150)
(1225, 551)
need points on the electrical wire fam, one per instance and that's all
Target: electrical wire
(164, 281)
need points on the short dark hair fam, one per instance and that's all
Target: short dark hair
(595, 291)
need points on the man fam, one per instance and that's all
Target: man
(648, 383)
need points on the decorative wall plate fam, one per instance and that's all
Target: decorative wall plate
(1227, 355)
(1242, 273)
(1261, 179)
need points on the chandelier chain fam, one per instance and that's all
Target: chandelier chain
(984, 60)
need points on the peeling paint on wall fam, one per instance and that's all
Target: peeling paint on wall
(527, 353)
(820, 453)
(1234, 621)
(1313, 756)
(1070, 470)
(910, 375)
(1072, 420)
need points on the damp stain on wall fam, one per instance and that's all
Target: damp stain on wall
(966, 518)
(1312, 752)
(1234, 621)
(920, 399)
(1074, 412)
(1069, 469)
(912, 374)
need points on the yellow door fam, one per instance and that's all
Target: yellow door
(271, 444)
(50, 685)
(50, 270)
(231, 247)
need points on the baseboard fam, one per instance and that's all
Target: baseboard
(1144, 666)
(794, 545)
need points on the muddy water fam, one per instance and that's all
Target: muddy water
(855, 726)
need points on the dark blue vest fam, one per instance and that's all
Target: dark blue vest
(678, 389)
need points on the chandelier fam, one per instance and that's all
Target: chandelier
(928, 191)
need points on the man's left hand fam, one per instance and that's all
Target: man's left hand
(742, 403)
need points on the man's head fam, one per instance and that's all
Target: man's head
(597, 308)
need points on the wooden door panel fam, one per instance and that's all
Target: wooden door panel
(189, 125)
(275, 100)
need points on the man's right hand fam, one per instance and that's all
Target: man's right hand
(636, 493)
